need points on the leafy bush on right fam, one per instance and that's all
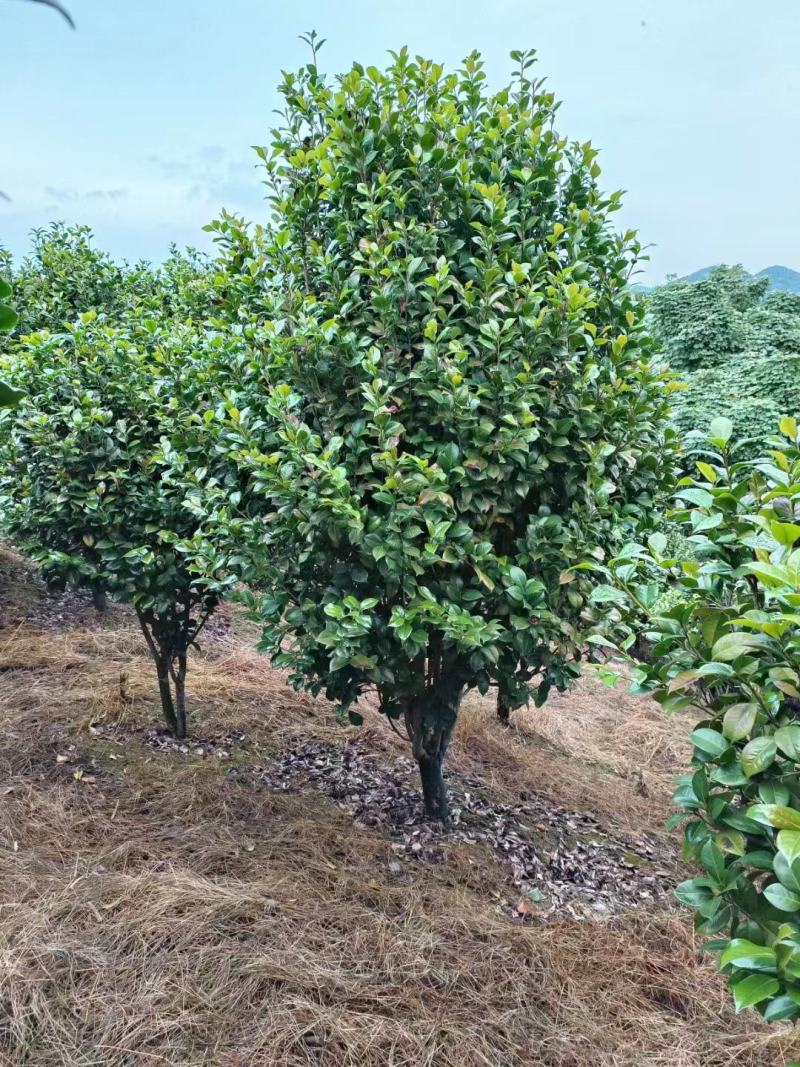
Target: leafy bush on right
(730, 645)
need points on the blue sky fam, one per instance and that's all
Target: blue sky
(140, 122)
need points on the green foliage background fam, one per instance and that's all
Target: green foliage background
(735, 345)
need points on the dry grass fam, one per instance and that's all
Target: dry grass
(592, 749)
(173, 914)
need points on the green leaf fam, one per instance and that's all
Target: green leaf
(780, 897)
(707, 471)
(749, 956)
(777, 815)
(782, 1008)
(355, 717)
(710, 741)
(785, 873)
(731, 841)
(602, 594)
(788, 425)
(731, 646)
(9, 397)
(693, 892)
(739, 720)
(757, 755)
(785, 533)
(713, 861)
(753, 989)
(720, 430)
(8, 318)
(701, 497)
(787, 738)
(789, 844)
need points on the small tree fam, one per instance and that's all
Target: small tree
(463, 407)
(730, 645)
(84, 476)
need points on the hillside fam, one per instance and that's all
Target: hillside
(229, 902)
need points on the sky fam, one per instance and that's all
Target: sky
(140, 122)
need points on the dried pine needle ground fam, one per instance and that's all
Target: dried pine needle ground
(156, 909)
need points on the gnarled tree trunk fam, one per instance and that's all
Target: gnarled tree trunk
(430, 718)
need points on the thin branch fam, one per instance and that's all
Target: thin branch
(148, 636)
(201, 624)
(392, 724)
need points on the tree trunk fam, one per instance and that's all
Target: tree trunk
(167, 703)
(180, 699)
(434, 791)
(99, 601)
(430, 718)
(503, 706)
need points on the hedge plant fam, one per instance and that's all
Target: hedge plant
(85, 485)
(730, 646)
(460, 401)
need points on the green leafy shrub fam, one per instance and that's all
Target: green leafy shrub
(9, 397)
(66, 275)
(730, 645)
(462, 404)
(84, 475)
(737, 352)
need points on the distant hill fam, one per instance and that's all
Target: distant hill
(701, 275)
(781, 277)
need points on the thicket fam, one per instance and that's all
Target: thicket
(736, 348)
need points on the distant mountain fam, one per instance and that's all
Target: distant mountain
(702, 274)
(782, 278)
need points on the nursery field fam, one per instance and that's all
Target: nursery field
(267, 893)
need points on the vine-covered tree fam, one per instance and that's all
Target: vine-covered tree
(463, 406)
(701, 323)
(85, 490)
(737, 349)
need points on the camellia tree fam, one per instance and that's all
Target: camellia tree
(729, 644)
(85, 465)
(66, 274)
(461, 406)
